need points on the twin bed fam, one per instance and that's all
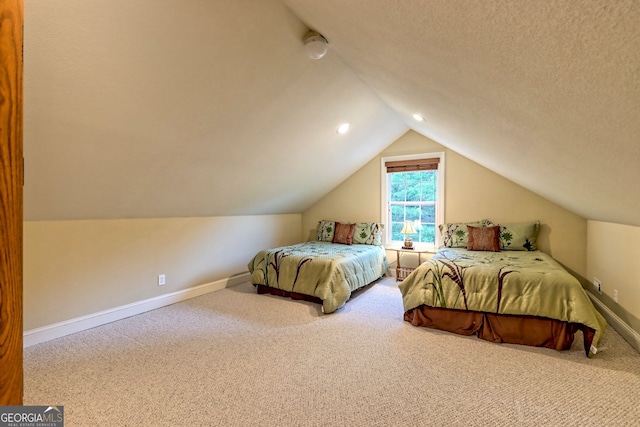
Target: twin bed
(487, 280)
(345, 258)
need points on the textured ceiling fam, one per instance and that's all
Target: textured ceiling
(158, 108)
(154, 108)
(546, 93)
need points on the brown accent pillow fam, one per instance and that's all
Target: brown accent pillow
(344, 233)
(484, 238)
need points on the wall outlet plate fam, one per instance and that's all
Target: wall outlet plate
(162, 280)
(597, 285)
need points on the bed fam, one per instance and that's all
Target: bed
(326, 271)
(502, 289)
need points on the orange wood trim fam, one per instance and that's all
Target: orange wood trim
(11, 193)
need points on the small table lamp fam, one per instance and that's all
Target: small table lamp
(407, 230)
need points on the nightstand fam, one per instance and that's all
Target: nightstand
(403, 272)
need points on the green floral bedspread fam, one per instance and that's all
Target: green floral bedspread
(508, 282)
(325, 270)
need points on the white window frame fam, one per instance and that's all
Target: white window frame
(385, 211)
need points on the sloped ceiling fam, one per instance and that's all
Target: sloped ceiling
(546, 93)
(164, 108)
(146, 108)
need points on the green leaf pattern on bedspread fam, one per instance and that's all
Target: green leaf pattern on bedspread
(516, 282)
(321, 269)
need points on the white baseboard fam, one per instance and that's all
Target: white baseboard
(71, 326)
(631, 336)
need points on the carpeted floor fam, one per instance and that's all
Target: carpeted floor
(235, 358)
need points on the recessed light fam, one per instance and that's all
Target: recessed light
(418, 117)
(343, 128)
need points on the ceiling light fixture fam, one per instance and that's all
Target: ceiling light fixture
(418, 117)
(343, 128)
(315, 44)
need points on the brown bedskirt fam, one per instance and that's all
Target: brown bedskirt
(262, 289)
(527, 330)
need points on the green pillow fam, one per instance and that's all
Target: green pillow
(519, 237)
(368, 233)
(326, 229)
(454, 234)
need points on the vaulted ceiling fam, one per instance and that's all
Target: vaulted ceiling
(158, 108)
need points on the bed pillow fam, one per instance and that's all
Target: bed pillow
(343, 233)
(378, 239)
(368, 233)
(519, 237)
(326, 230)
(484, 238)
(455, 235)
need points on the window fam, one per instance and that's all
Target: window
(413, 191)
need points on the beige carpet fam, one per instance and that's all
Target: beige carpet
(235, 358)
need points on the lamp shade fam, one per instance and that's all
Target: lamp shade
(408, 228)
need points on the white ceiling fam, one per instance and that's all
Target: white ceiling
(156, 108)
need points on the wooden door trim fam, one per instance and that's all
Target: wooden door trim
(11, 196)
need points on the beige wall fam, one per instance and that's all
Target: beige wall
(77, 268)
(472, 192)
(613, 257)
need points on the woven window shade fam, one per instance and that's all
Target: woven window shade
(412, 165)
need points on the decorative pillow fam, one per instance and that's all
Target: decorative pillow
(368, 233)
(343, 233)
(326, 230)
(519, 237)
(484, 238)
(455, 235)
(378, 240)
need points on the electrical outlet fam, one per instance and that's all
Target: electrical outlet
(597, 285)
(615, 295)
(162, 280)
